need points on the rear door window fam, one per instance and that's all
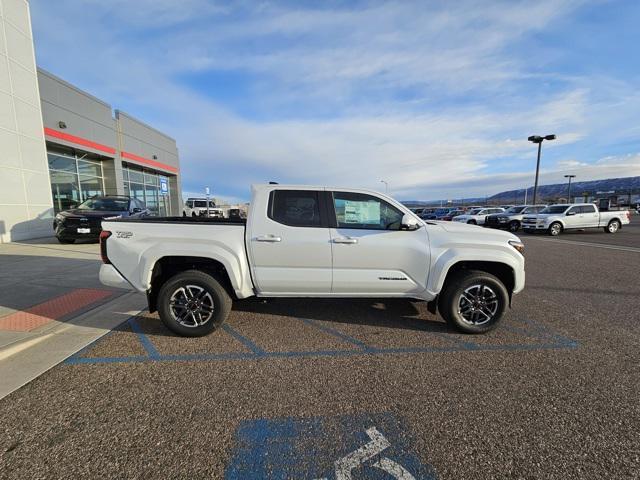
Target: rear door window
(588, 209)
(296, 208)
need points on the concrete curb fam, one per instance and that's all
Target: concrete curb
(26, 359)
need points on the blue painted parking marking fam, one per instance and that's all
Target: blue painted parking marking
(372, 446)
(546, 340)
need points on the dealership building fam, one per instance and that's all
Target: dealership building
(60, 145)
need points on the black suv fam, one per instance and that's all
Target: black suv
(85, 220)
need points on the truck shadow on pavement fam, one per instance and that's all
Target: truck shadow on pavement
(392, 313)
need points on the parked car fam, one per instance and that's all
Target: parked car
(197, 207)
(83, 222)
(451, 214)
(555, 219)
(312, 242)
(428, 214)
(511, 219)
(477, 216)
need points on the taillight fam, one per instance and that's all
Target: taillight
(103, 245)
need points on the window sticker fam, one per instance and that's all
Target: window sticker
(363, 213)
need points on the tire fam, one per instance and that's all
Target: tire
(472, 222)
(188, 286)
(193, 214)
(66, 241)
(514, 226)
(453, 303)
(184, 214)
(613, 227)
(555, 229)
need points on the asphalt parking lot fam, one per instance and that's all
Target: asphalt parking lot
(312, 389)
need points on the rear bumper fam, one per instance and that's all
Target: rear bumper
(110, 277)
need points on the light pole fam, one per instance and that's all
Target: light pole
(569, 193)
(386, 186)
(538, 139)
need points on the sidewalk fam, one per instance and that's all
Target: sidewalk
(52, 305)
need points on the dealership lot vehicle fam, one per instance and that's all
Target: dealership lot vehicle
(197, 207)
(83, 222)
(556, 219)
(511, 218)
(294, 386)
(477, 216)
(313, 242)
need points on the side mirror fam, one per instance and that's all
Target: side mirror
(136, 210)
(409, 222)
(569, 214)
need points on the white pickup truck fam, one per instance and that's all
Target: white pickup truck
(574, 216)
(301, 241)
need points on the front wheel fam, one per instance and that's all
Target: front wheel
(613, 227)
(193, 303)
(472, 222)
(514, 226)
(555, 229)
(473, 301)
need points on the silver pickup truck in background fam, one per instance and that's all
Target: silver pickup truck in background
(555, 219)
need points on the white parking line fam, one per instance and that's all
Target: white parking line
(586, 244)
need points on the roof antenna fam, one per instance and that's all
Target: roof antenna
(273, 183)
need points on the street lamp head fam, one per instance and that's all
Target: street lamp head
(535, 139)
(569, 176)
(550, 137)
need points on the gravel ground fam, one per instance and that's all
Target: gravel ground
(553, 393)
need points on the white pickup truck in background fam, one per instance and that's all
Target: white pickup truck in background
(301, 241)
(555, 219)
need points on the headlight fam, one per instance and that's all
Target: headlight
(519, 246)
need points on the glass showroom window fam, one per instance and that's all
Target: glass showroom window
(145, 186)
(73, 179)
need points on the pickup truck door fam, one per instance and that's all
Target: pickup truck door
(289, 244)
(573, 218)
(371, 254)
(590, 216)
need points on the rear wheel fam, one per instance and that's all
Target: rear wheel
(514, 226)
(193, 214)
(184, 214)
(555, 229)
(473, 301)
(613, 227)
(193, 303)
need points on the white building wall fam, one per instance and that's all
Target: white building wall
(26, 209)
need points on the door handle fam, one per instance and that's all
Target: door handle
(348, 240)
(268, 238)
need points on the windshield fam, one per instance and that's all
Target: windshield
(515, 210)
(475, 211)
(105, 204)
(555, 209)
(203, 204)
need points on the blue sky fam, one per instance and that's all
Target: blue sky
(436, 98)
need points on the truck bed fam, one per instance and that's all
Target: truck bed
(184, 220)
(135, 245)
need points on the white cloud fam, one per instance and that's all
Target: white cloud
(317, 64)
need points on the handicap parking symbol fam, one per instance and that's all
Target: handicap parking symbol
(347, 447)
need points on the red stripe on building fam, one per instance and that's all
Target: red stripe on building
(148, 161)
(53, 309)
(50, 132)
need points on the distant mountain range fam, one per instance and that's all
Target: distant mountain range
(618, 186)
